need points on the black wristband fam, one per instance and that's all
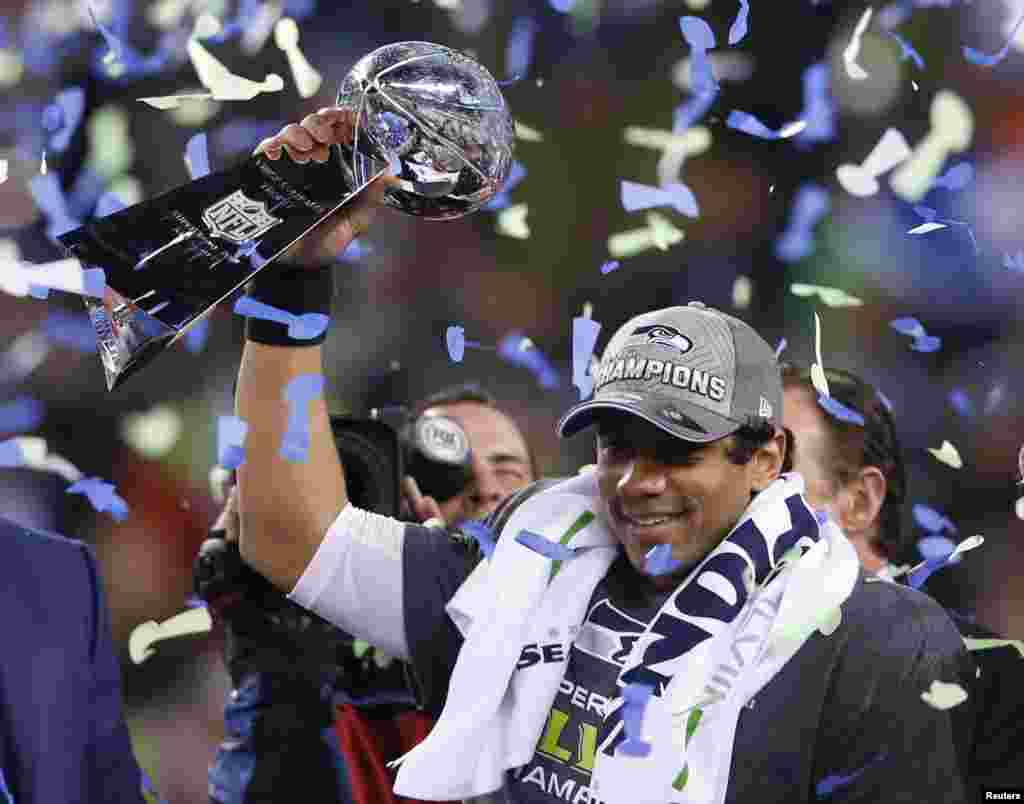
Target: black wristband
(294, 289)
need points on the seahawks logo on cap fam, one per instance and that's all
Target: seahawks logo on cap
(665, 335)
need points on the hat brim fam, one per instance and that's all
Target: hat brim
(712, 425)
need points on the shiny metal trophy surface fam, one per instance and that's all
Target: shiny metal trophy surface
(432, 116)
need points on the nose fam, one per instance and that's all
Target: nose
(485, 492)
(643, 477)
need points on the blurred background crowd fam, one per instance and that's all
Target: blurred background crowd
(581, 77)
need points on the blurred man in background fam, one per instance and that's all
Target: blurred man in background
(63, 736)
(856, 472)
(312, 708)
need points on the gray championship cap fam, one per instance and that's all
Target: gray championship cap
(695, 372)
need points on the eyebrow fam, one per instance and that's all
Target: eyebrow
(507, 457)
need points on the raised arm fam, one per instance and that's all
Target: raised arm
(286, 507)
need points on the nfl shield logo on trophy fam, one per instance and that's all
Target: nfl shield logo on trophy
(238, 218)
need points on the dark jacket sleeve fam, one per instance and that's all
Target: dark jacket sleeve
(997, 698)
(113, 773)
(879, 741)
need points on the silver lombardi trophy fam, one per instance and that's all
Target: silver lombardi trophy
(431, 116)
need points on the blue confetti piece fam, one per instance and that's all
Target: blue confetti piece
(455, 340)
(827, 786)
(748, 124)
(961, 402)
(609, 266)
(925, 213)
(990, 60)
(357, 250)
(5, 790)
(530, 359)
(938, 548)
(819, 110)
(519, 47)
(659, 561)
(562, 6)
(299, 9)
(688, 113)
(884, 400)
(69, 330)
(546, 548)
(781, 347)
(740, 25)
(1014, 262)
(701, 39)
(119, 52)
(636, 196)
(102, 497)
(197, 335)
(933, 521)
(21, 415)
(11, 454)
(585, 332)
(907, 50)
(108, 204)
(810, 205)
(195, 602)
(634, 701)
(956, 178)
(908, 326)
(481, 534)
(49, 197)
(300, 327)
(502, 199)
(231, 433)
(298, 393)
(837, 410)
(62, 117)
(926, 343)
(197, 156)
(147, 785)
(243, 135)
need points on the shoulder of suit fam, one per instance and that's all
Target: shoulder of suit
(896, 611)
(11, 531)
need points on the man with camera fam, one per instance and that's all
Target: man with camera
(310, 706)
(675, 625)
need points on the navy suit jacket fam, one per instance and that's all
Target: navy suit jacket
(63, 738)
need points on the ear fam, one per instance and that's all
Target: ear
(766, 465)
(865, 495)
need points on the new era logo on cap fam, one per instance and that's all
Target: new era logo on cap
(765, 408)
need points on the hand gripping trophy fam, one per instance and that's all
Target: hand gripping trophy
(431, 116)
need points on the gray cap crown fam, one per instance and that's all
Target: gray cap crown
(693, 371)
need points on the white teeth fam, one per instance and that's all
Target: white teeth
(650, 522)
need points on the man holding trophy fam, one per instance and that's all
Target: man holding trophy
(675, 626)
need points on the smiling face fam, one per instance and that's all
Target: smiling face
(658, 489)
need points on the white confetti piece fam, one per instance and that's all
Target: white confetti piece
(3, 170)
(817, 370)
(830, 297)
(224, 84)
(831, 621)
(854, 70)
(944, 696)
(925, 228)
(512, 221)
(948, 455)
(952, 129)
(218, 478)
(153, 433)
(144, 636)
(527, 134)
(975, 644)
(862, 180)
(307, 78)
(742, 292)
(659, 233)
(35, 455)
(1018, 508)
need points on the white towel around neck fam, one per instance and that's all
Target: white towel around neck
(494, 715)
